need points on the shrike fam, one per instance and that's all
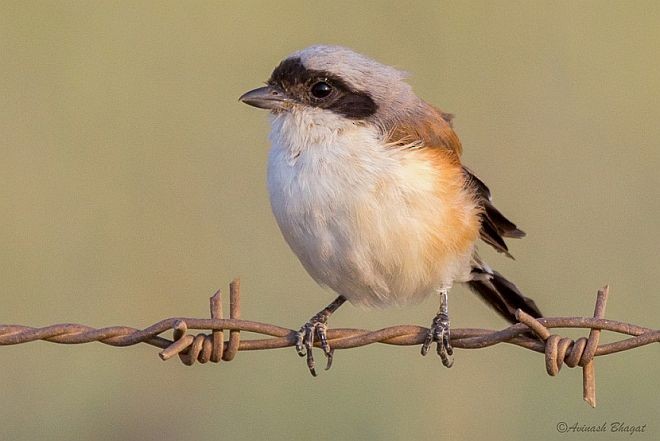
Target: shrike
(368, 189)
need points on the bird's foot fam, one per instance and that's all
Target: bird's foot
(314, 330)
(440, 333)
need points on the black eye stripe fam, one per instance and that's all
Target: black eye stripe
(292, 76)
(290, 71)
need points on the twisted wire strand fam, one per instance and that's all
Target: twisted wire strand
(212, 347)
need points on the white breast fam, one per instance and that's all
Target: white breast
(358, 214)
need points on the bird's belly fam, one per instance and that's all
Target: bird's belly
(376, 231)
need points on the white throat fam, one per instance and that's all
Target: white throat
(312, 129)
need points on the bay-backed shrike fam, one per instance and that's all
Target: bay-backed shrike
(368, 189)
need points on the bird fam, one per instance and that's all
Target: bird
(368, 189)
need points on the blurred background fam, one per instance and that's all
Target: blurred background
(132, 186)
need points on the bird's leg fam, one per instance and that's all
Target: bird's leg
(439, 333)
(316, 327)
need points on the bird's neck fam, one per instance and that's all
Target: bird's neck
(318, 132)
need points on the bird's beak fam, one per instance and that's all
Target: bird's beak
(268, 97)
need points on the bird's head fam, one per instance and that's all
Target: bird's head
(323, 90)
(338, 81)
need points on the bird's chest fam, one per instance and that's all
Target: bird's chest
(363, 218)
(378, 224)
(336, 197)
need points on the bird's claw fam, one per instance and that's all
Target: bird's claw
(440, 333)
(314, 330)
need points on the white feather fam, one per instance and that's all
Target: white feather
(356, 212)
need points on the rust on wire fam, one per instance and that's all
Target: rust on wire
(203, 347)
(580, 352)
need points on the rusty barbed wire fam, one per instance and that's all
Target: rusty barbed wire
(204, 348)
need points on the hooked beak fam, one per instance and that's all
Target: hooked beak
(268, 97)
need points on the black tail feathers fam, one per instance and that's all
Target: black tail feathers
(501, 294)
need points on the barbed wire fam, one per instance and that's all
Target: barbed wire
(212, 347)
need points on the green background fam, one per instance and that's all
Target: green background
(132, 186)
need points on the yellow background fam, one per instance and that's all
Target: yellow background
(132, 186)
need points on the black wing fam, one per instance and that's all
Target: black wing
(494, 225)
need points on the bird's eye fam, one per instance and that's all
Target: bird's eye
(321, 89)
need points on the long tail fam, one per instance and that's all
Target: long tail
(490, 285)
(501, 294)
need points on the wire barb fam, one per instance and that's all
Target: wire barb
(559, 350)
(204, 348)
